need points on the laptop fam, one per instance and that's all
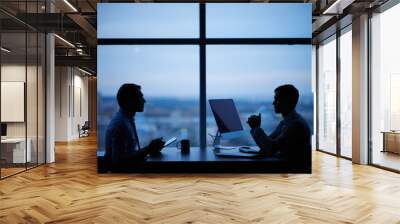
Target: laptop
(228, 121)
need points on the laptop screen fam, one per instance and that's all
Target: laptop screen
(3, 129)
(226, 115)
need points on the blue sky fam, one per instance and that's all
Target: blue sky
(249, 71)
(181, 20)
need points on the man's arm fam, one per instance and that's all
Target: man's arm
(155, 146)
(263, 141)
(121, 149)
(259, 135)
(271, 145)
(275, 133)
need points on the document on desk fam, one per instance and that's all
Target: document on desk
(244, 149)
(227, 147)
(249, 149)
(233, 153)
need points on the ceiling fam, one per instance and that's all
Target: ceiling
(75, 21)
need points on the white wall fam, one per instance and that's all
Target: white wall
(80, 85)
(14, 73)
(33, 126)
(17, 73)
(71, 94)
(62, 81)
(50, 94)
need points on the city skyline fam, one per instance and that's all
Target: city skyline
(248, 71)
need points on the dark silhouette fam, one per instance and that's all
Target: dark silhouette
(291, 140)
(84, 129)
(122, 142)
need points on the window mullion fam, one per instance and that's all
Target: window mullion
(203, 94)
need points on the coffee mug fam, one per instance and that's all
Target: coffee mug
(183, 145)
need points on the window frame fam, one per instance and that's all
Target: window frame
(371, 14)
(337, 37)
(202, 41)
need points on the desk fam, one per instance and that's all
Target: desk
(172, 154)
(171, 160)
(391, 141)
(13, 150)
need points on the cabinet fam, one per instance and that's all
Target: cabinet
(391, 141)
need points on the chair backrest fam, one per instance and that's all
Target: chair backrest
(86, 125)
(103, 162)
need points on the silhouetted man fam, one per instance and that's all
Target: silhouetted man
(291, 140)
(122, 143)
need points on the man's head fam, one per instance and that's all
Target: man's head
(130, 98)
(285, 99)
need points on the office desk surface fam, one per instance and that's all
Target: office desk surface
(13, 140)
(171, 160)
(172, 154)
(18, 153)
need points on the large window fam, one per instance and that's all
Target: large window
(385, 89)
(335, 107)
(243, 20)
(148, 20)
(346, 93)
(249, 75)
(169, 78)
(327, 96)
(184, 54)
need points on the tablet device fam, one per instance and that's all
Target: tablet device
(169, 142)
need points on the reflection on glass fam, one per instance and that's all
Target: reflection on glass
(14, 146)
(327, 96)
(41, 98)
(169, 77)
(346, 94)
(244, 20)
(32, 100)
(148, 20)
(385, 114)
(249, 74)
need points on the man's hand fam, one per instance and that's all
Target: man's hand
(254, 121)
(155, 145)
